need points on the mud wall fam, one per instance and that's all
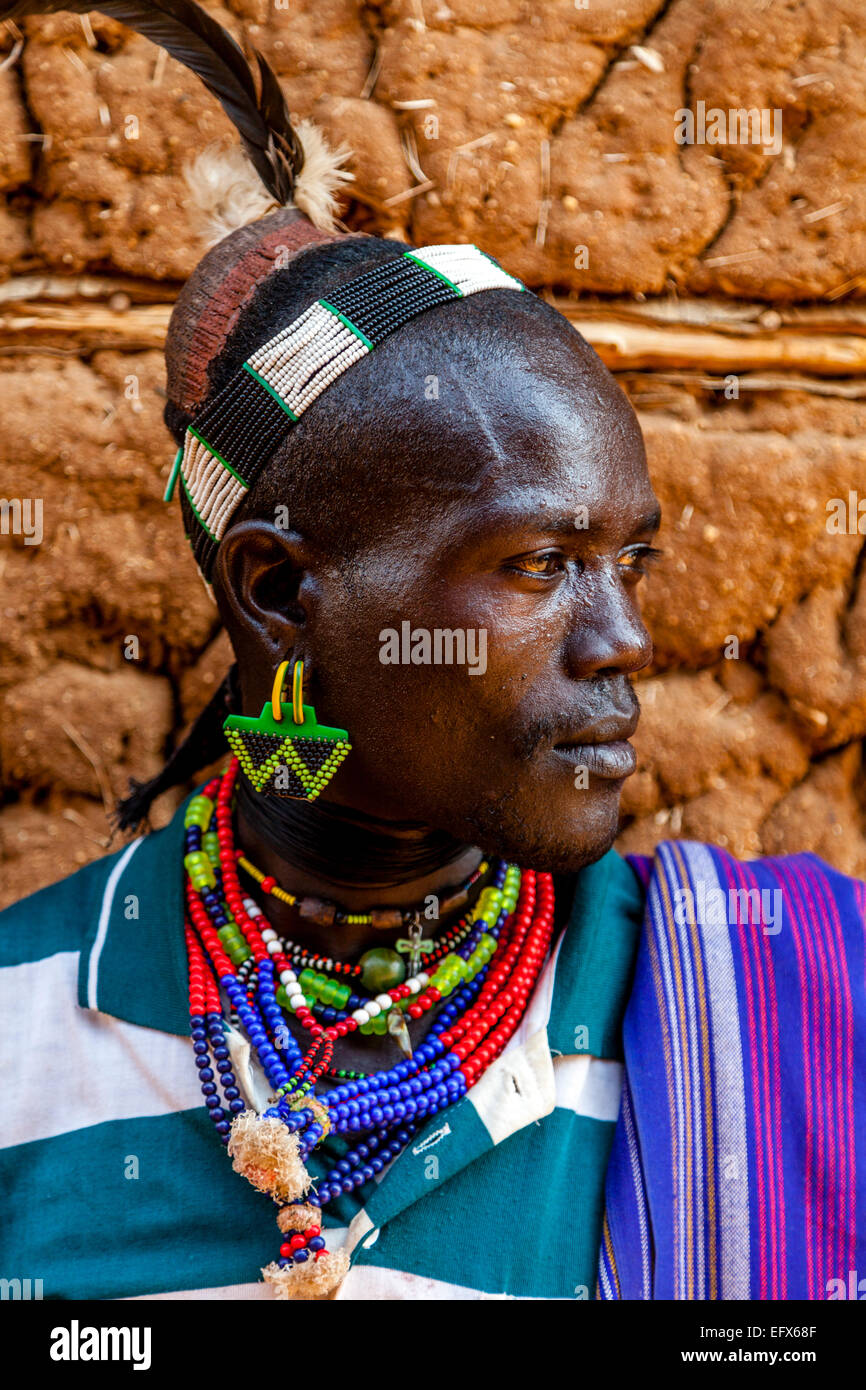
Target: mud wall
(721, 278)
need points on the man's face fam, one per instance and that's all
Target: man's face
(526, 565)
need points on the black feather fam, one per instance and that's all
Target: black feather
(194, 38)
(287, 148)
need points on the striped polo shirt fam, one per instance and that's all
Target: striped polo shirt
(116, 1186)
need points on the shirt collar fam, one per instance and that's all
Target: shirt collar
(519, 1087)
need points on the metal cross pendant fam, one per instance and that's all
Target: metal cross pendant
(415, 945)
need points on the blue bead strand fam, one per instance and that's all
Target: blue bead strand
(212, 1060)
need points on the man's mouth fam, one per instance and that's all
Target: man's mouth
(602, 749)
(611, 760)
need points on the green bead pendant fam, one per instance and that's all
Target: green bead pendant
(381, 969)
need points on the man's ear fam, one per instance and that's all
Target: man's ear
(258, 583)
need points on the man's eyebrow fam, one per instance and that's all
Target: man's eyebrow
(651, 522)
(522, 516)
(568, 522)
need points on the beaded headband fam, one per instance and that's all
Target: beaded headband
(230, 442)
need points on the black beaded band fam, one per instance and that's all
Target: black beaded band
(239, 431)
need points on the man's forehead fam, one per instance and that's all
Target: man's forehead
(550, 463)
(540, 411)
(538, 431)
(561, 510)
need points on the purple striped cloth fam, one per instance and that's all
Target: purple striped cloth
(738, 1168)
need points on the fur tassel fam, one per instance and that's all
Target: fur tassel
(267, 1155)
(314, 1279)
(227, 192)
(298, 1217)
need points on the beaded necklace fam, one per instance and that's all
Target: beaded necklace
(379, 968)
(328, 914)
(331, 1000)
(489, 979)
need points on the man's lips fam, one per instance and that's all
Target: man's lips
(612, 760)
(602, 748)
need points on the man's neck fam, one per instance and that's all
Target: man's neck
(342, 941)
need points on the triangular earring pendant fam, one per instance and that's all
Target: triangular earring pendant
(289, 756)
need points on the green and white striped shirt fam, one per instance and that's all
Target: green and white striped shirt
(115, 1185)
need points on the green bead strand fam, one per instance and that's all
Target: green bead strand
(199, 812)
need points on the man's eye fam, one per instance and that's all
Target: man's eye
(539, 566)
(639, 559)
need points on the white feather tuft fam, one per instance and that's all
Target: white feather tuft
(227, 193)
(322, 177)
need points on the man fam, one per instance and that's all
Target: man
(603, 1094)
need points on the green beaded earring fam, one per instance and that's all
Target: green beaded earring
(279, 756)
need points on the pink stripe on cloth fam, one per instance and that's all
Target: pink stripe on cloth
(809, 1031)
(842, 1034)
(756, 1052)
(767, 1028)
(826, 1067)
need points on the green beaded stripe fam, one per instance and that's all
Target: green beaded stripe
(269, 388)
(433, 271)
(219, 458)
(347, 323)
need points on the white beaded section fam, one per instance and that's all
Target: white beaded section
(295, 329)
(215, 492)
(466, 267)
(301, 361)
(306, 357)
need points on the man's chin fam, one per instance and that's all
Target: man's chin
(549, 843)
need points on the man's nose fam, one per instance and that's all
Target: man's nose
(608, 635)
